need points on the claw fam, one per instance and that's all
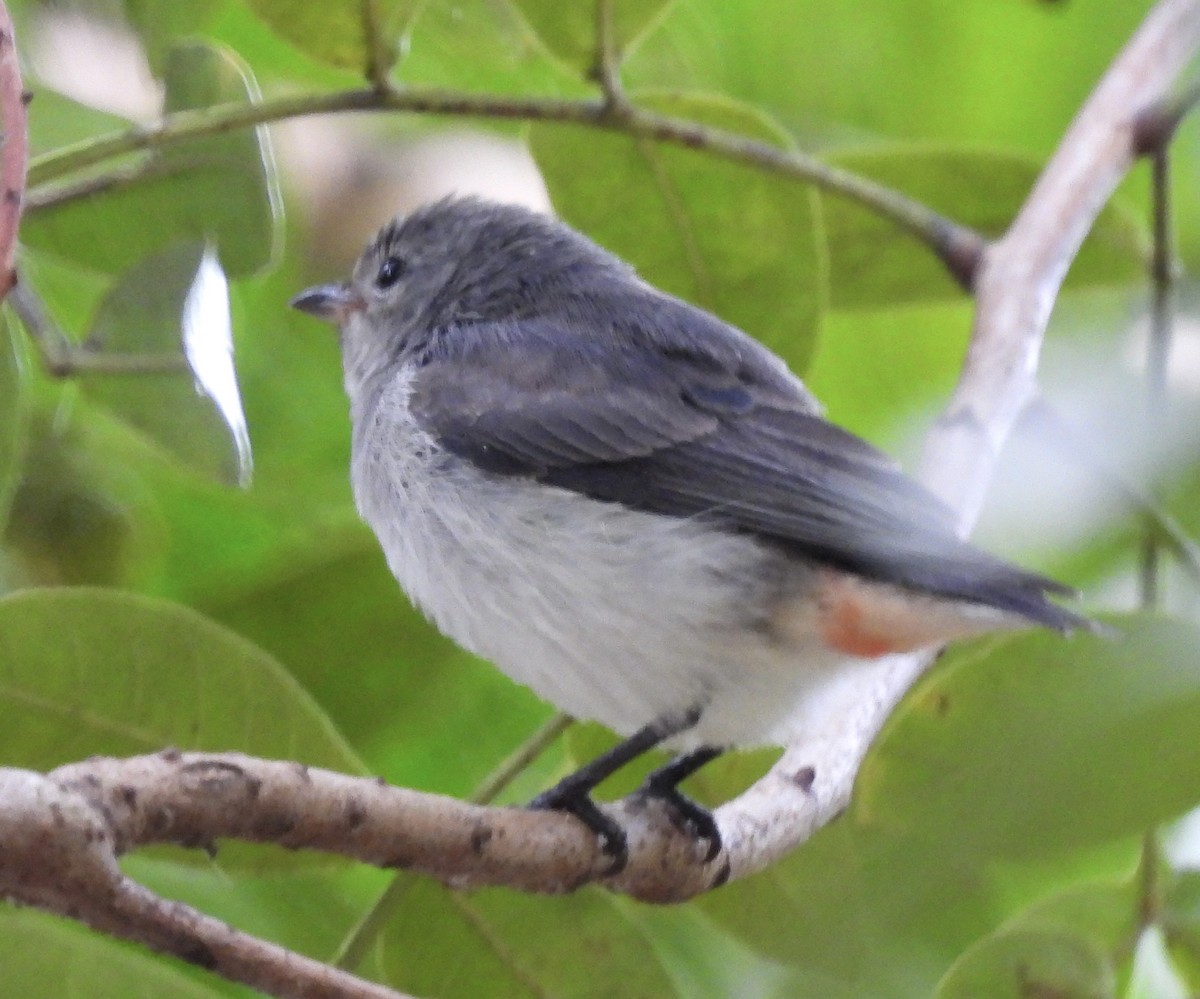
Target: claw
(613, 841)
(687, 816)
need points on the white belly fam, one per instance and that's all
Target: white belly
(610, 614)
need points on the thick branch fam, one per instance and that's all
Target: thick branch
(1022, 272)
(195, 798)
(59, 854)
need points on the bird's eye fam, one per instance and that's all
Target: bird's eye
(390, 271)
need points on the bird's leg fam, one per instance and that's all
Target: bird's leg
(573, 793)
(663, 783)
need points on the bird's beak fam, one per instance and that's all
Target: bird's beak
(335, 302)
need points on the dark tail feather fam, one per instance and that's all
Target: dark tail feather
(1031, 601)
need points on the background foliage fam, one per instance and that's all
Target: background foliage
(998, 841)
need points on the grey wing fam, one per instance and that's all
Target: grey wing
(686, 434)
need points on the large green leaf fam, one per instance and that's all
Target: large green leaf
(1031, 745)
(81, 511)
(56, 120)
(924, 69)
(739, 242)
(335, 31)
(86, 671)
(1022, 963)
(858, 915)
(221, 188)
(873, 263)
(704, 962)
(501, 944)
(885, 373)
(148, 314)
(160, 25)
(481, 45)
(1180, 919)
(44, 956)
(1107, 913)
(569, 29)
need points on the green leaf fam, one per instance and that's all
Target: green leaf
(1104, 912)
(1030, 745)
(1180, 920)
(1018, 964)
(81, 512)
(910, 358)
(481, 45)
(706, 963)
(159, 25)
(335, 32)
(736, 241)
(873, 263)
(143, 315)
(14, 417)
(86, 671)
(56, 120)
(307, 908)
(569, 29)
(221, 189)
(503, 944)
(42, 955)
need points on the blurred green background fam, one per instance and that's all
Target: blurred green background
(1000, 841)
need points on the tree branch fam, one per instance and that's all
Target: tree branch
(14, 150)
(957, 246)
(60, 855)
(607, 71)
(1015, 288)
(1022, 272)
(61, 833)
(63, 359)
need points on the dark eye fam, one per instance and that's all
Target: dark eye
(390, 271)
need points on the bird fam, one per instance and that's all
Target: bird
(631, 506)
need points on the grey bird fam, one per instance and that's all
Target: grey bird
(631, 506)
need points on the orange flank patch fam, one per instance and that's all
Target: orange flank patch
(847, 625)
(867, 619)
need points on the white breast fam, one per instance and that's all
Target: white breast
(609, 613)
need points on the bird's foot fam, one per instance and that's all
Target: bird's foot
(687, 815)
(564, 797)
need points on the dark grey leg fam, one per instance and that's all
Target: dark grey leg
(573, 793)
(664, 784)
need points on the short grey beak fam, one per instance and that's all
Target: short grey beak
(334, 302)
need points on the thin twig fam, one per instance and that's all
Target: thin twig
(381, 56)
(607, 70)
(1155, 126)
(1150, 900)
(14, 150)
(1050, 427)
(1158, 347)
(63, 359)
(957, 246)
(520, 758)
